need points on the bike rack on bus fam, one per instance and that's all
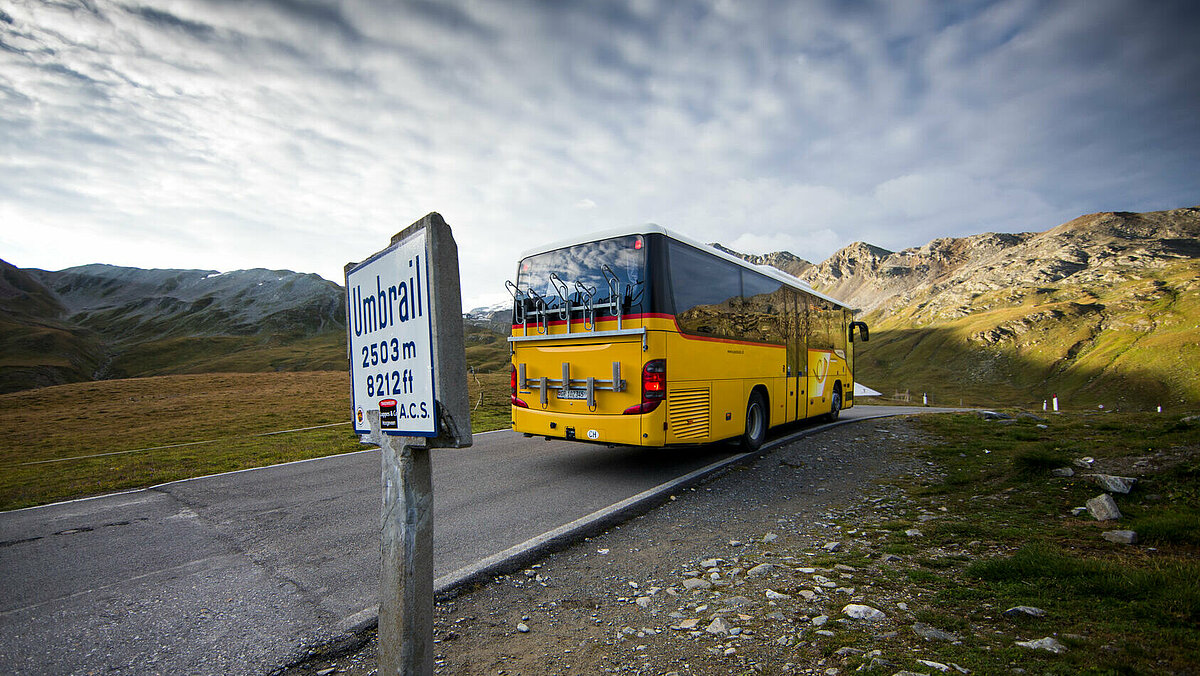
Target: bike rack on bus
(588, 293)
(539, 310)
(518, 301)
(560, 287)
(615, 293)
(592, 385)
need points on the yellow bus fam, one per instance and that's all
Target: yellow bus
(645, 337)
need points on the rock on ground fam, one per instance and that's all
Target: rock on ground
(925, 631)
(861, 612)
(1103, 508)
(1121, 537)
(1112, 484)
(1047, 643)
(1017, 612)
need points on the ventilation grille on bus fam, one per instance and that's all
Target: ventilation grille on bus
(688, 414)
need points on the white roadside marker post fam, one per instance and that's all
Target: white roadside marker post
(408, 381)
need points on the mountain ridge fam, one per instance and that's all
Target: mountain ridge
(1105, 306)
(118, 321)
(867, 276)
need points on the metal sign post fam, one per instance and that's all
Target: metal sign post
(409, 392)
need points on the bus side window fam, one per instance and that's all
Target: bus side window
(707, 291)
(763, 308)
(820, 336)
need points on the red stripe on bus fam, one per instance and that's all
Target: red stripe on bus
(606, 318)
(658, 315)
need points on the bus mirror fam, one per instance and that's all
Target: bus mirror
(862, 331)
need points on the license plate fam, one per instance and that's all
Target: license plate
(572, 394)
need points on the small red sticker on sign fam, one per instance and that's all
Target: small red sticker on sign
(387, 415)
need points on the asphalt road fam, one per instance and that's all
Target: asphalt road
(245, 572)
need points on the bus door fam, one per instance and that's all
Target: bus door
(797, 356)
(848, 382)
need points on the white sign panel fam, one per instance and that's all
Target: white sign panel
(391, 343)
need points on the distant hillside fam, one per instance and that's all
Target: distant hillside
(946, 276)
(103, 321)
(131, 304)
(485, 333)
(1104, 309)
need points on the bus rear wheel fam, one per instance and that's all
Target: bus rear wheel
(756, 423)
(835, 407)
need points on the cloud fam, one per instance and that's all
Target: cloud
(301, 134)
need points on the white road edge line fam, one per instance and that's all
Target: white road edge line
(210, 476)
(187, 443)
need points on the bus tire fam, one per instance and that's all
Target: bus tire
(756, 422)
(835, 406)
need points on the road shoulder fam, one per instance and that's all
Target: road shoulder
(622, 601)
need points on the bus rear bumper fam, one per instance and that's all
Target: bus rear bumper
(604, 429)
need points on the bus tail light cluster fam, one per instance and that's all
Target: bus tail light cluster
(654, 387)
(516, 401)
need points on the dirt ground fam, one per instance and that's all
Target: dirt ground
(682, 590)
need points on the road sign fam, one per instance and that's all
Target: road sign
(388, 310)
(405, 332)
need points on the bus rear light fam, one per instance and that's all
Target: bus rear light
(644, 407)
(515, 400)
(654, 379)
(654, 387)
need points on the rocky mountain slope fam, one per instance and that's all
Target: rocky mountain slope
(945, 276)
(1102, 309)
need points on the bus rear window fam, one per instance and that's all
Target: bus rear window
(601, 272)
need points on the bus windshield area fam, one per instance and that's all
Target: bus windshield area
(594, 279)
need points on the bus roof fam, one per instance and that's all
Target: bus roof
(651, 228)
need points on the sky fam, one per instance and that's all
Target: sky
(302, 134)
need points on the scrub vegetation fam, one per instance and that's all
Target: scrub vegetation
(1120, 609)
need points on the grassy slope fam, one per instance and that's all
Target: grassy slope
(1131, 345)
(36, 349)
(234, 354)
(40, 354)
(486, 351)
(225, 411)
